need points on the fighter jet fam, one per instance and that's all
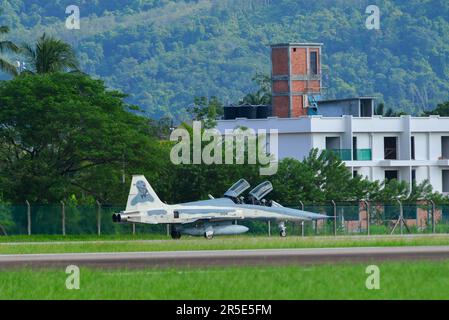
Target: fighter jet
(209, 217)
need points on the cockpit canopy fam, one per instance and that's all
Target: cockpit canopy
(261, 190)
(237, 189)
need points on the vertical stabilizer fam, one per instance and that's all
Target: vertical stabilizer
(141, 195)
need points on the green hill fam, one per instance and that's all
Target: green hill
(165, 52)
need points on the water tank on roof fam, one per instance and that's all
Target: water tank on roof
(230, 112)
(263, 112)
(247, 111)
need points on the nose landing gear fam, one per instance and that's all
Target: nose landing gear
(208, 235)
(208, 232)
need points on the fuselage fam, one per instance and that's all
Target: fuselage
(222, 209)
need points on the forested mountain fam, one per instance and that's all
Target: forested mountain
(165, 52)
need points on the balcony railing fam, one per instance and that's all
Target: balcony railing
(359, 154)
(363, 155)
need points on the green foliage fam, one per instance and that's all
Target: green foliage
(213, 48)
(321, 177)
(6, 220)
(50, 55)
(442, 110)
(5, 47)
(263, 95)
(65, 133)
(206, 110)
(380, 111)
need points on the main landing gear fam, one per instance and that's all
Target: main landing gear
(282, 230)
(175, 234)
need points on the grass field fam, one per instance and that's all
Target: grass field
(219, 243)
(407, 280)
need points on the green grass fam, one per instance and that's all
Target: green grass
(107, 237)
(398, 280)
(219, 243)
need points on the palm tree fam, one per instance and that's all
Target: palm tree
(50, 55)
(6, 46)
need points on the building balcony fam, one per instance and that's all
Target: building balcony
(363, 155)
(359, 154)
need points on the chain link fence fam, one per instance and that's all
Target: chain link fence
(345, 218)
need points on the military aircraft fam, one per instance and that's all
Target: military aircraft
(209, 217)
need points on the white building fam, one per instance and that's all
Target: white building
(407, 148)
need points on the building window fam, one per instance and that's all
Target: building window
(366, 108)
(445, 147)
(412, 144)
(267, 144)
(354, 148)
(332, 143)
(355, 173)
(390, 148)
(314, 62)
(445, 174)
(413, 177)
(391, 174)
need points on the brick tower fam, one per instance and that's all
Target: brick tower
(296, 77)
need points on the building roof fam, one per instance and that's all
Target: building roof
(298, 44)
(346, 99)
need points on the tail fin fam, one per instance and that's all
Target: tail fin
(141, 195)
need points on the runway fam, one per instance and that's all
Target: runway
(225, 257)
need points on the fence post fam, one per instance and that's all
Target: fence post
(401, 215)
(302, 222)
(134, 229)
(335, 217)
(98, 217)
(269, 228)
(433, 215)
(3, 230)
(28, 217)
(63, 217)
(367, 209)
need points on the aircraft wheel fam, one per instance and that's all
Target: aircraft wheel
(208, 236)
(282, 230)
(176, 235)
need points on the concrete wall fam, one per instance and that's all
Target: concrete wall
(421, 150)
(363, 140)
(295, 145)
(339, 108)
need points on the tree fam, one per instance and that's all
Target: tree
(380, 111)
(442, 110)
(206, 110)
(261, 96)
(64, 134)
(50, 55)
(7, 46)
(321, 177)
(5, 217)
